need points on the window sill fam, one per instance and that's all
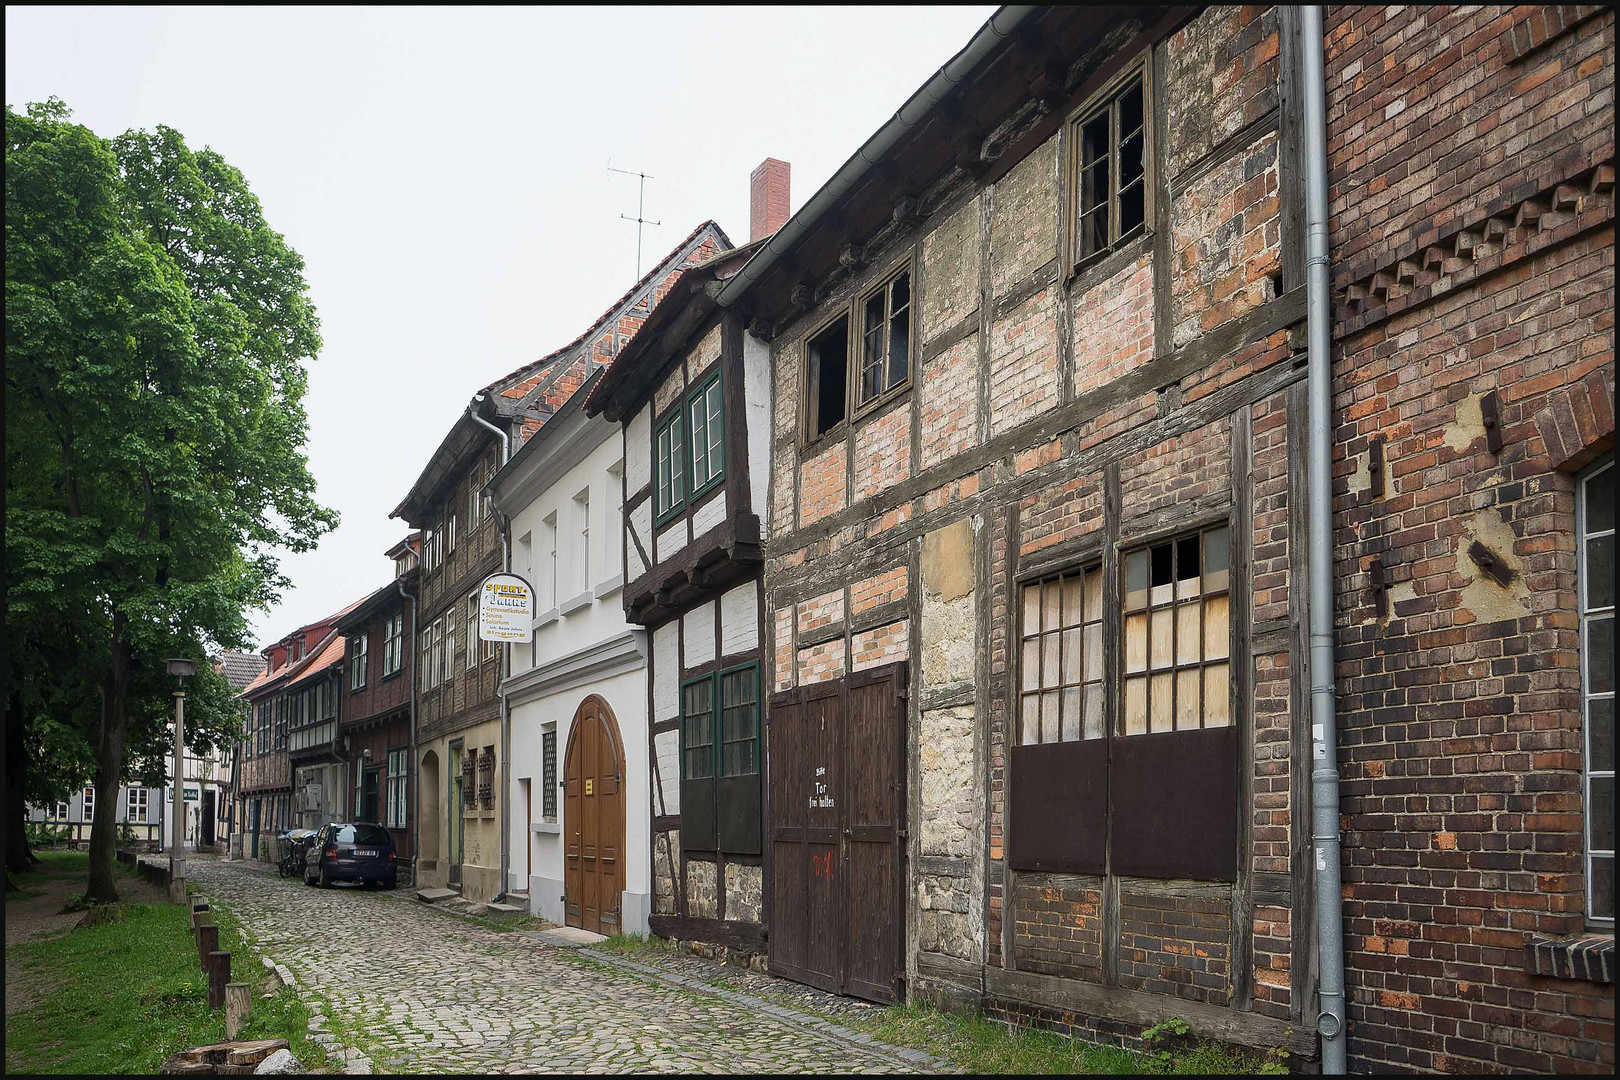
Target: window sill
(545, 617)
(568, 607)
(551, 827)
(1584, 959)
(610, 586)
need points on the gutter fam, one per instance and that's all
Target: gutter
(1330, 1020)
(996, 31)
(502, 523)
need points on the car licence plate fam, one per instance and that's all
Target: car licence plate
(365, 852)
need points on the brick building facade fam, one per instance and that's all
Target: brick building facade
(1472, 172)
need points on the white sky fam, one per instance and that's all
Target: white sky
(443, 173)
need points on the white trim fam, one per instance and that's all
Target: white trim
(610, 586)
(573, 604)
(621, 653)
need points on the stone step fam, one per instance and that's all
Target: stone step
(434, 896)
(570, 937)
(521, 898)
(504, 912)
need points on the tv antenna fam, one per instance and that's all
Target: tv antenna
(641, 207)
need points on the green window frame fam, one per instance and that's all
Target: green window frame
(705, 413)
(669, 456)
(720, 724)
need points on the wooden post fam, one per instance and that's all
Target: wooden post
(219, 973)
(199, 910)
(238, 1004)
(207, 941)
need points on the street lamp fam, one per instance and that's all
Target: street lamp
(180, 668)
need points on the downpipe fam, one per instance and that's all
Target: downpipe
(416, 795)
(501, 525)
(1330, 1019)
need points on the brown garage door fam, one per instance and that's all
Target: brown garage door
(837, 813)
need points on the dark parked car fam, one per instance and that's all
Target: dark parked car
(346, 851)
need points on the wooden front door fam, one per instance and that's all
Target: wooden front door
(837, 830)
(455, 824)
(593, 819)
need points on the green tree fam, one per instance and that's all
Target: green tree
(156, 332)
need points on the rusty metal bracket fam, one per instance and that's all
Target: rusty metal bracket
(1490, 412)
(1375, 466)
(1491, 564)
(1380, 586)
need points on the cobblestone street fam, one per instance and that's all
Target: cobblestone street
(418, 990)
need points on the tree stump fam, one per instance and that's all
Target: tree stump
(238, 1007)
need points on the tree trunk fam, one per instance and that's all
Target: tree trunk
(102, 887)
(18, 858)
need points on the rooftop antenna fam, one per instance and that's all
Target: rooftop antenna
(641, 207)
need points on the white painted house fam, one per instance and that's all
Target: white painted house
(580, 816)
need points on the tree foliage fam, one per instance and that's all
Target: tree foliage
(156, 335)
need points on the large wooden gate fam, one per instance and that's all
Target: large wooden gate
(837, 831)
(593, 820)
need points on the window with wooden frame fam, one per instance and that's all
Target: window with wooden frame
(706, 414)
(138, 806)
(1061, 666)
(720, 761)
(697, 729)
(670, 455)
(739, 722)
(472, 630)
(398, 790)
(1109, 187)
(357, 662)
(1594, 525)
(394, 645)
(1177, 635)
(826, 378)
(425, 664)
(885, 339)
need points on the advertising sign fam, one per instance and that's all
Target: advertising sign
(505, 609)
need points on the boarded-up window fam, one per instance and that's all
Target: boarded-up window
(1177, 634)
(1061, 669)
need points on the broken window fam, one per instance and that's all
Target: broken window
(1110, 143)
(885, 338)
(826, 371)
(1595, 563)
(1061, 692)
(1177, 635)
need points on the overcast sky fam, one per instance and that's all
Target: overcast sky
(444, 174)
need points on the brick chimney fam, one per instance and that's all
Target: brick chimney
(768, 198)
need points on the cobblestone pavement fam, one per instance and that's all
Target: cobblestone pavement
(420, 991)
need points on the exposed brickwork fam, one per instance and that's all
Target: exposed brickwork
(1058, 928)
(883, 452)
(1228, 241)
(1023, 219)
(1060, 512)
(1273, 949)
(821, 662)
(950, 402)
(768, 206)
(1024, 362)
(1177, 470)
(1177, 945)
(883, 589)
(1223, 72)
(951, 268)
(1459, 715)
(1113, 326)
(823, 485)
(823, 610)
(881, 645)
(783, 644)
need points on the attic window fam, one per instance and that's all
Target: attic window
(827, 371)
(1110, 168)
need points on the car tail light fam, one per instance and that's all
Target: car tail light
(390, 856)
(330, 853)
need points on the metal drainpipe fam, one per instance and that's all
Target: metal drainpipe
(1330, 1020)
(506, 713)
(416, 801)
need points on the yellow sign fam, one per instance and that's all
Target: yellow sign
(587, 785)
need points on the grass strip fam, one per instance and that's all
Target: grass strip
(131, 992)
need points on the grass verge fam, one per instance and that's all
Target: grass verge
(129, 993)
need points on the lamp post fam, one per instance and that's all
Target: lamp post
(179, 667)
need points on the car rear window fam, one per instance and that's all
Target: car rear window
(362, 834)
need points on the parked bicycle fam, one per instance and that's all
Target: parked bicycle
(294, 843)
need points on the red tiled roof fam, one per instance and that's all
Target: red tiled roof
(325, 658)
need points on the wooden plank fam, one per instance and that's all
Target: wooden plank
(1242, 700)
(1112, 499)
(1136, 1007)
(743, 937)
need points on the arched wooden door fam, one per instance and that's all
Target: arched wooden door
(593, 819)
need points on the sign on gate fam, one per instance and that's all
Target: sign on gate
(505, 609)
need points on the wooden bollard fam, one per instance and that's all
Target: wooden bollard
(199, 909)
(207, 941)
(219, 973)
(238, 1004)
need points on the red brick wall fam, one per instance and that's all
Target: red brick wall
(1177, 945)
(1059, 925)
(1460, 746)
